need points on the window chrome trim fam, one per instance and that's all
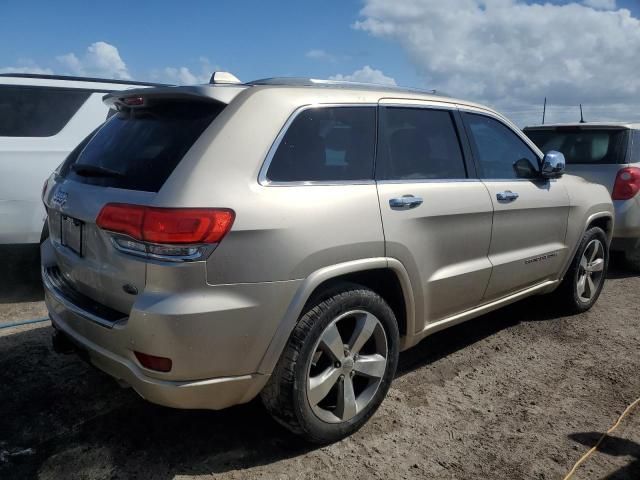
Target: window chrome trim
(262, 175)
(415, 103)
(429, 180)
(509, 180)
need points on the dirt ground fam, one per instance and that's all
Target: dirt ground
(517, 394)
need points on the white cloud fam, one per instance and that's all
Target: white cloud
(601, 4)
(184, 76)
(319, 54)
(26, 66)
(366, 75)
(512, 54)
(100, 60)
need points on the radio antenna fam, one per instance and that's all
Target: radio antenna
(581, 116)
(544, 110)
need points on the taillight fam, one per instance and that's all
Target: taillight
(627, 184)
(186, 225)
(133, 101)
(167, 225)
(122, 218)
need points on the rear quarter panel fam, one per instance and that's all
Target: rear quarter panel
(280, 232)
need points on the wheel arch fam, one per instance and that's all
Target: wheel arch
(604, 220)
(369, 272)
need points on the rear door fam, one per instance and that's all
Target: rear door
(127, 160)
(530, 214)
(436, 215)
(594, 153)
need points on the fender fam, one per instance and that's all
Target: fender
(588, 221)
(288, 323)
(597, 215)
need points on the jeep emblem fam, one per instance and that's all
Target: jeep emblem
(60, 198)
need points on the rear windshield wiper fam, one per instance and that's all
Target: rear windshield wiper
(86, 170)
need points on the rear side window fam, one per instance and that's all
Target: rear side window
(418, 143)
(37, 111)
(496, 147)
(138, 148)
(326, 144)
(584, 146)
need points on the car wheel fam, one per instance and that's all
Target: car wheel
(585, 278)
(337, 366)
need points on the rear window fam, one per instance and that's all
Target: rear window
(584, 146)
(327, 144)
(635, 151)
(138, 148)
(37, 111)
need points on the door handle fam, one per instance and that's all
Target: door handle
(406, 202)
(507, 196)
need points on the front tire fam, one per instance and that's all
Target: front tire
(337, 366)
(585, 278)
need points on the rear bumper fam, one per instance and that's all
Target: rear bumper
(626, 233)
(216, 337)
(212, 394)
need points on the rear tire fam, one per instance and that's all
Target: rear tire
(337, 366)
(585, 278)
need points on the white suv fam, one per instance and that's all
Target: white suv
(42, 118)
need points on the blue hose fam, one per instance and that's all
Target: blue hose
(23, 322)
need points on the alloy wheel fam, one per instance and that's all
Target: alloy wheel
(347, 367)
(591, 270)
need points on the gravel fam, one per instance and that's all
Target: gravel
(520, 393)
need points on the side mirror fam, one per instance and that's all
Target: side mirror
(553, 165)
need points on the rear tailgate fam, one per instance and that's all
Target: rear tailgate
(126, 161)
(595, 153)
(86, 259)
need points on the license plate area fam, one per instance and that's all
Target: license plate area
(71, 233)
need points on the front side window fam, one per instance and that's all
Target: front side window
(497, 148)
(583, 146)
(326, 144)
(418, 144)
(37, 111)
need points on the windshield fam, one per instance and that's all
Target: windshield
(583, 146)
(139, 148)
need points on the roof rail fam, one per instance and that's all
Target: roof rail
(316, 82)
(81, 79)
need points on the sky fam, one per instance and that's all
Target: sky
(508, 54)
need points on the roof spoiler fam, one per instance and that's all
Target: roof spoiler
(140, 97)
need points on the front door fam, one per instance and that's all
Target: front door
(436, 215)
(530, 214)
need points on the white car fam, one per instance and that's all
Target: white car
(42, 118)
